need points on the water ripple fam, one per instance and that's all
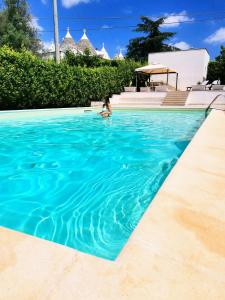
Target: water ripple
(85, 182)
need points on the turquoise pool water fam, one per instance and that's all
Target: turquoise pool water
(85, 182)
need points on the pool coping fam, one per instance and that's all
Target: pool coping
(176, 252)
(35, 114)
(96, 108)
(57, 112)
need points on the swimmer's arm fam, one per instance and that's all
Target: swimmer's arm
(110, 109)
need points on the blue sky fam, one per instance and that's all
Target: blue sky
(207, 29)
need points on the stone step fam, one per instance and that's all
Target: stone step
(136, 106)
(176, 95)
(175, 98)
(140, 103)
(136, 99)
(139, 95)
(137, 102)
(168, 101)
(178, 103)
(179, 92)
(172, 104)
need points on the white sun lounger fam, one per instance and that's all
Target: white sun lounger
(130, 89)
(218, 87)
(198, 87)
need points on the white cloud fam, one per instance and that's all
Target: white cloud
(174, 20)
(217, 37)
(106, 26)
(120, 48)
(127, 11)
(34, 23)
(47, 44)
(182, 45)
(70, 3)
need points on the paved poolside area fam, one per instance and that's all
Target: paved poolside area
(176, 252)
(194, 99)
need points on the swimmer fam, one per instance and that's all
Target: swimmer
(106, 109)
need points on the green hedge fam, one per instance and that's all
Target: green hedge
(29, 82)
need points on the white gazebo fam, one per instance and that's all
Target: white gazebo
(156, 69)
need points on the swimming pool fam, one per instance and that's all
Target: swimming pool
(85, 182)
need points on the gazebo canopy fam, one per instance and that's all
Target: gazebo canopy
(155, 69)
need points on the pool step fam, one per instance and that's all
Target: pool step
(176, 98)
(140, 99)
(149, 99)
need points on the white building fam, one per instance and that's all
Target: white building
(119, 56)
(103, 53)
(68, 44)
(191, 65)
(85, 44)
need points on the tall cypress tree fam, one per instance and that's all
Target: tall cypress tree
(16, 28)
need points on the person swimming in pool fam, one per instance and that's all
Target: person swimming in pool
(106, 109)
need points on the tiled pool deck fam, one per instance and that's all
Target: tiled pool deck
(176, 252)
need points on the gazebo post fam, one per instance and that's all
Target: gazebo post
(176, 81)
(136, 80)
(167, 79)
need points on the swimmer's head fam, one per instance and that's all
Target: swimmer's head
(106, 103)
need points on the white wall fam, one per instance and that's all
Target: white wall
(205, 98)
(191, 66)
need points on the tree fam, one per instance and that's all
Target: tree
(153, 41)
(16, 30)
(216, 68)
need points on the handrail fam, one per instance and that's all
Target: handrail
(208, 107)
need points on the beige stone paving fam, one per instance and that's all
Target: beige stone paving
(176, 252)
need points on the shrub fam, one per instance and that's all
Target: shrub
(216, 68)
(26, 82)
